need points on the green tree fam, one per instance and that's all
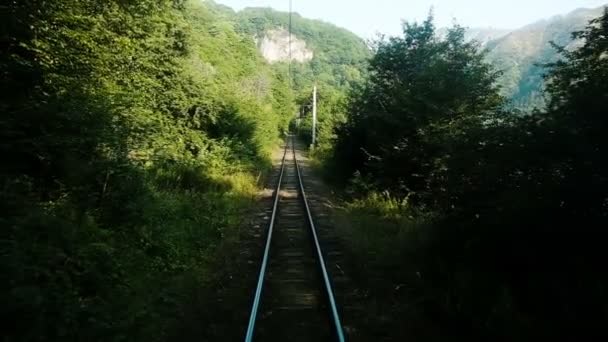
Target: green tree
(133, 133)
(417, 85)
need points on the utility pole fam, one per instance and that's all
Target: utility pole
(314, 116)
(290, 77)
(290, 11)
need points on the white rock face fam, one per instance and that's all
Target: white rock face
(274, 46)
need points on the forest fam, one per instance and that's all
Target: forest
(133, 134)
(494, 222)
(136, 136)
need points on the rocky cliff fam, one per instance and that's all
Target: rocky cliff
(274, 46)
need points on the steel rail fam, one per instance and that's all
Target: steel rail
(327, 283)
(262, 275)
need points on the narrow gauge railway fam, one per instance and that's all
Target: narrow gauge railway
(294, 300)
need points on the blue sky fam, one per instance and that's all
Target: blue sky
(368, 17)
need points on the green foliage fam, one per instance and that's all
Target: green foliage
(418, 85)
(339, 63)
(500, 235)
(339, 55)
(331, 112)
(132, 134)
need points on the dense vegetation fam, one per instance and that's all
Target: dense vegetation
(339, 55)
(133, 133)
(339, 62)
(485, 224)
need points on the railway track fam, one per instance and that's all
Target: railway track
(294, 299)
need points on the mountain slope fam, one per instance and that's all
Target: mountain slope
(338, 55)
(519, 53)
(483, 35)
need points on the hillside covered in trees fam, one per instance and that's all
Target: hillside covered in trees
(520, 54)
(339, 55)
(339, 63)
